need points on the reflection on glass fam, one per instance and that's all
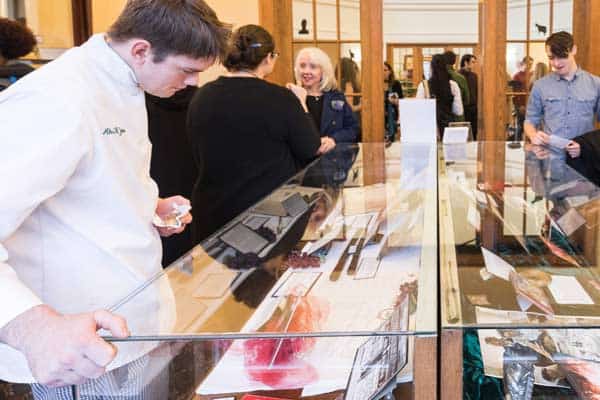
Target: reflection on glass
(302, 17)
(562, 16)
(516, 22)
(525, 235)
(539, 24)
(326, 20)
(350, 19)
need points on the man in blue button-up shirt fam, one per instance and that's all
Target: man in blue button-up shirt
(564, 102)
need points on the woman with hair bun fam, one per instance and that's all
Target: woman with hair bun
(248, 136)
(328, 106)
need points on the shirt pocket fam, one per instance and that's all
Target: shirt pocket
(553, 107)
(584, 107)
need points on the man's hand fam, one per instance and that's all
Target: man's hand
(327, 144)
(540, 138)
(574, 149)
(166, 211)
(540, 152)
(64, 349)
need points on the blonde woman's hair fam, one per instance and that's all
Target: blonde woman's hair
(320, 58)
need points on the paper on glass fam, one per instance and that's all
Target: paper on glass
(570, 221)
(568, 290)
(496, 265)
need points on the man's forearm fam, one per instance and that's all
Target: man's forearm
(529, 130)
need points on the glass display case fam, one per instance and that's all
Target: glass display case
(325, 289)
(520, 290)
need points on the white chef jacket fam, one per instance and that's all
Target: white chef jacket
(77, 199)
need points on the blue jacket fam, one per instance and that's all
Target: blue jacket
(337, 118)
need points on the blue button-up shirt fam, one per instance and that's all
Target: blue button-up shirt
(564, 108)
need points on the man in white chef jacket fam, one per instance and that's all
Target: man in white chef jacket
(77, 201)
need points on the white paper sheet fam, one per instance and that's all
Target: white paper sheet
(559, 142)
(496, 265)
(568, 290)
(418, 121)
(456, 134)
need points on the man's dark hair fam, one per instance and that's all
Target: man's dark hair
(173, 27)
(465, 59)
(560, 43)
(449, 57)
(250, 44)
(16, 40)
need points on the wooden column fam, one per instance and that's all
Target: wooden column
(586, 29)
(493, 71)
(371, 34)
(82, 20)
(276, 17)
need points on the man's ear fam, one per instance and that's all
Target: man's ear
(574, 51)
(140, 51)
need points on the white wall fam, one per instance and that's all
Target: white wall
(235, 12)
(451, 21)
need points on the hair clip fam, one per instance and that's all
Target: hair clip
(255, 45)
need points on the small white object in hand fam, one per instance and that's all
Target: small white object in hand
(173, 220)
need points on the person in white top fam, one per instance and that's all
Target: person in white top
(76, 209)
(444, 90)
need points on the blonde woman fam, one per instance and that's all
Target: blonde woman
(328, 106)
(541, 70)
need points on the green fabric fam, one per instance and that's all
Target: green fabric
(462, 84)
(476, 385)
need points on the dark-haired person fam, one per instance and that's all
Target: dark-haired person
(328, 106)
(564, 103)
(76, 230)
(16, 40)
(465, 95)
(467, 63)
(445, 92)
(392, 95)
(248, 135)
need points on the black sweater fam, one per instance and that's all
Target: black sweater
(172, 165)
(248, 136)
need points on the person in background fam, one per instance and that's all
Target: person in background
(349, 84)
(445, 92)
(467, 63)
(519, 83)
(540, 71)
(76, 217)
(564, 103)
(248, 136)
(16, 40)
(172, 164)
(392, 95)
(330, 110)
(465, 96)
